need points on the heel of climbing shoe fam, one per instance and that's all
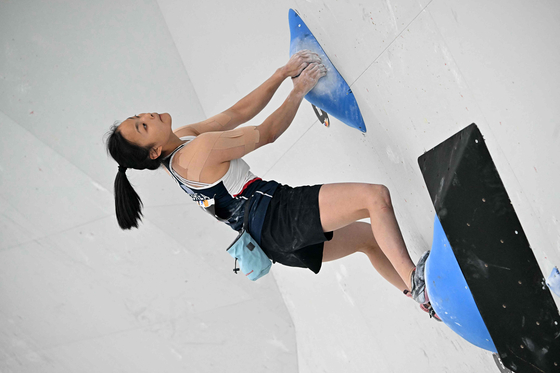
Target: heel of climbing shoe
(427, 307)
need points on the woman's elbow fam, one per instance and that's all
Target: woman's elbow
(266, 136)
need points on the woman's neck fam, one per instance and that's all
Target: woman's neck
(173, 143)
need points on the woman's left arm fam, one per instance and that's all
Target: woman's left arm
(252, 104)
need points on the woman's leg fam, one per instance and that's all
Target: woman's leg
(358, 237)
(344, 203)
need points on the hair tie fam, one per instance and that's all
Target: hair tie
(122, 169)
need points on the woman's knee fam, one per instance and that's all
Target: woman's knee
(379, 197)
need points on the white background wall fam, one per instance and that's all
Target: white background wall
(78, 294)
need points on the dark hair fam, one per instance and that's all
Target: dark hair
(128, 205)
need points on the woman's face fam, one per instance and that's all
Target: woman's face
(148, 129)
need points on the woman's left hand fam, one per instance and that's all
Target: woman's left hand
(299, 61)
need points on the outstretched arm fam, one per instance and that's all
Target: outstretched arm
(280, 120)
(252, 104)
(214, 148)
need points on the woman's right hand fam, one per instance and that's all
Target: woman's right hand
(300, 61)
(309, 77)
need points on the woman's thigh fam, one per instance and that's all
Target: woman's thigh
(355, 237)
(344, 203)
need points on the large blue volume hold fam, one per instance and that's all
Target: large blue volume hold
(492, 257)
(331, 94)
(450, 295)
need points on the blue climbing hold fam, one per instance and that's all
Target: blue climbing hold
(450, 295)
(553, 281)
(331, 94)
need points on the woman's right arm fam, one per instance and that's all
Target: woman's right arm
(280, 120)
(252, 104)
(219, 147)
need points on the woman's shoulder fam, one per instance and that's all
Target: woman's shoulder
(184, 159)
(184, 148)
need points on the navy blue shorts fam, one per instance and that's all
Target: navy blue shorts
(292, 233)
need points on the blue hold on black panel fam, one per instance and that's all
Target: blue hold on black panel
(482, 242)
(450, 294)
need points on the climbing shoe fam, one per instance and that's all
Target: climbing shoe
(418, 280)
(426, 307)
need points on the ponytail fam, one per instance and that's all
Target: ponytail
(128, 205)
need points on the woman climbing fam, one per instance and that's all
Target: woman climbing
(300, 227)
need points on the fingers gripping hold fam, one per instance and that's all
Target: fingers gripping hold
(300, 60)
(309, 77)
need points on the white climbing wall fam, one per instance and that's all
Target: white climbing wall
(79, 295)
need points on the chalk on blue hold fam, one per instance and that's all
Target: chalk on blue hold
(553, 281)
(331, 94)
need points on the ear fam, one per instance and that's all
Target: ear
(156, 152)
